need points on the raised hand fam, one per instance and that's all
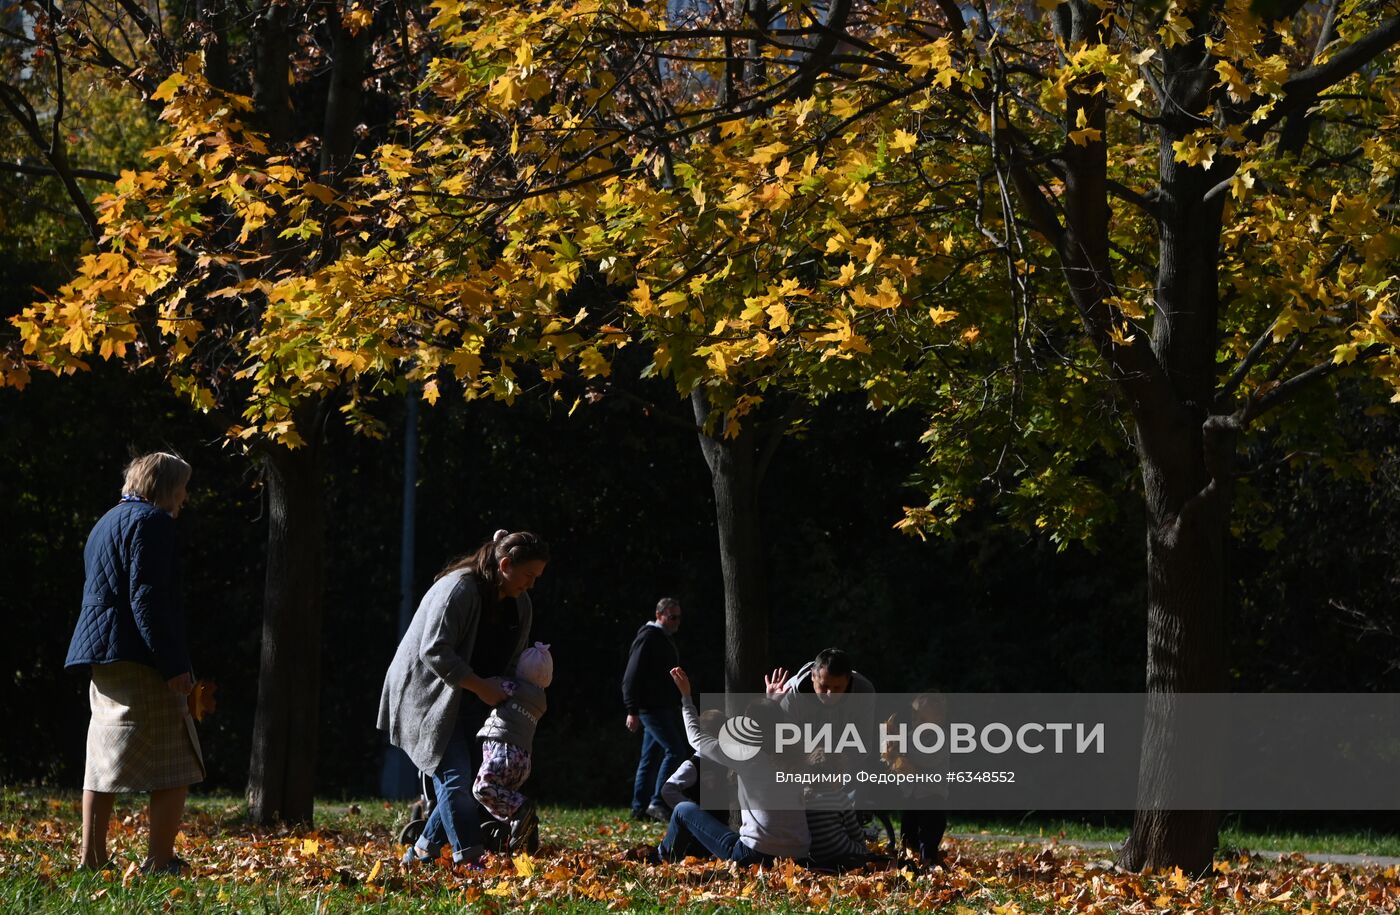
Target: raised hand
(682, 680)
(774, 683)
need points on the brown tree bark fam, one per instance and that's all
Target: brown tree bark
(282, 766)
(735, 472)
(1187, 462)
(1185, 450)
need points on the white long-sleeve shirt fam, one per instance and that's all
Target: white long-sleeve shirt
(781, 829)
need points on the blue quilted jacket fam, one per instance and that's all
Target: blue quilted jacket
(131, 600)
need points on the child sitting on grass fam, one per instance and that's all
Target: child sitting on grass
(838, 841)
(767, 832)
(507, 737)
(699, 781)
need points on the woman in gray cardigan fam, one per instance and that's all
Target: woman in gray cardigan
(446, 675)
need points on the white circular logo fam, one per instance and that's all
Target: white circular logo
(740, 738)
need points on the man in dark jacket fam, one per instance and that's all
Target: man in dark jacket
(654, 707)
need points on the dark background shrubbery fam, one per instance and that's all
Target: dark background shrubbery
(626, 504)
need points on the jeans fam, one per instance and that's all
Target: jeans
(456, 817)
(692, 829)
(664, 748)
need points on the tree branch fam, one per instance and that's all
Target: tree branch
(19, 108)
(1242, 369)
(19, 168)
(1285, 391)
(1302, 89)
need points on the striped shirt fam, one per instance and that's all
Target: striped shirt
(836, 837)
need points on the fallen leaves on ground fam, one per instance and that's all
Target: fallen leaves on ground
(597, 863)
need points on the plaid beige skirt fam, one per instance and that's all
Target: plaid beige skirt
(141, 737)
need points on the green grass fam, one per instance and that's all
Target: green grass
(348, 864)
(1233, 839)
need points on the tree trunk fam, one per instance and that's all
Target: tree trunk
(1187, 463)
(272, 99)
(1185, 654)
(734, 473)
(343, 102)
(282, 768)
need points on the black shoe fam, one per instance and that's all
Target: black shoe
(175, 867)
(524, 825)
(659, 813)
(646, 854)
(495, 835)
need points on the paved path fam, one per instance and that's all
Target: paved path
(1314, 857)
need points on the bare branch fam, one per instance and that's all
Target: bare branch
(1289, 389)
(50, 172)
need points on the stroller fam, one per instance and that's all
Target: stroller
(495, 835)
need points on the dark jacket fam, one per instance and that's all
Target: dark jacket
(647, 682)
(131, 599)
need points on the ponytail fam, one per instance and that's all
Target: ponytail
(485, 560)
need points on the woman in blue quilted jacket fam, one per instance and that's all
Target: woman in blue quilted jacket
(131, 636)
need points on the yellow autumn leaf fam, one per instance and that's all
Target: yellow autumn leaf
(465, 364)
(310, 847)
(765, 154)
(594, 364)
(1233, 81)
(904, 141)
(1194, 151)
(166, 90)
(508, 89)
(1345, 353)
(359, 19)
(641, 300)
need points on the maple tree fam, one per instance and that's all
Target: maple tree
(1202, 190)
(263, 109)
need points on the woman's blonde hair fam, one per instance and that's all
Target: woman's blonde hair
(155, 476)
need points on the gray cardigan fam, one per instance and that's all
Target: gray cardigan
(422, 693)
